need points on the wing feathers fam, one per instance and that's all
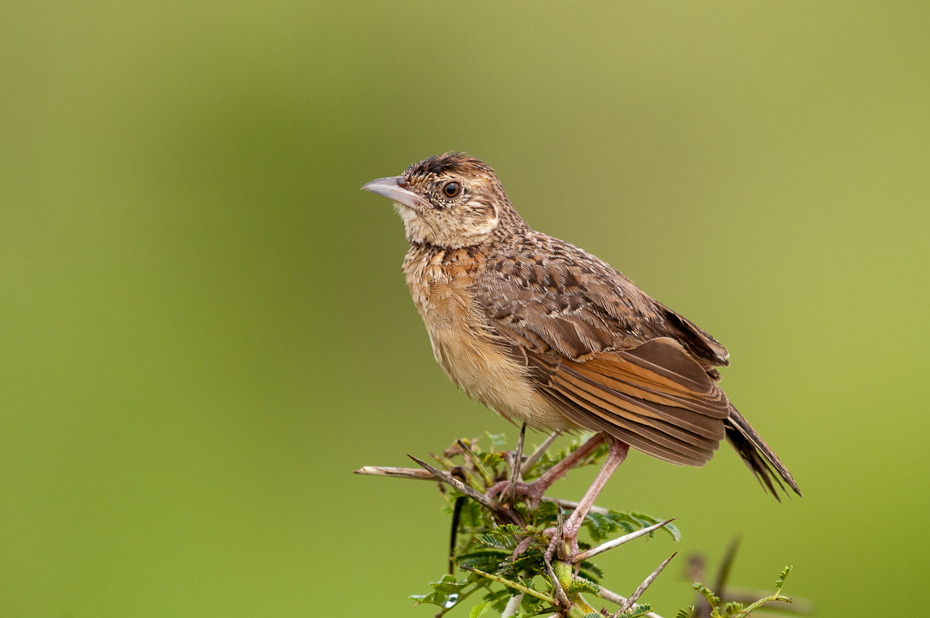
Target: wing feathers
(642, 385)
(760, 458)
(644, 403)
(625, 432)
(667, 411)
(668, 358)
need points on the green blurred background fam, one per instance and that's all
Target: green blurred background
(205, 329)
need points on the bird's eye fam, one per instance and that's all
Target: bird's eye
(451, 189)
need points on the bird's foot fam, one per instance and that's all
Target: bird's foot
(563, 539)
(532, 491)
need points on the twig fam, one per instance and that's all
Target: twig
(557, 584)
(467, 452)
(747, 597)
(534, 457)
(510, 584)
(762, 602)
(613, 597)
(478, 497)
(401, 473)
(642, 587)
(619, 541)
(571, 505)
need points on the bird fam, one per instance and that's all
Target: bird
(554, 338)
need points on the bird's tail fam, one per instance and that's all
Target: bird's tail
(760, 458)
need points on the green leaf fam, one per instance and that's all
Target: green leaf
(546, 516)
(780, 582)
(498, 440)
(487, 560)
(480, 610)
(640, 610)
(491, 460)
(590, 571)
(603, 525)
(733, 607)
(600, 525)
(499, 599)
(445, 593)
(685, 613)
(708, 594)
(580, 584)
(673, 530)
(648, 520)
(501, 537)
(637, 611)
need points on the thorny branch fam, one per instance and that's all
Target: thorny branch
(505, 534)
(563, 593)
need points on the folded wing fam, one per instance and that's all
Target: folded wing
(653, 397)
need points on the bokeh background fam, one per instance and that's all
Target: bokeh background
(204, 328)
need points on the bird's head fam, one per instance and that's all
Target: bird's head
(448, 201)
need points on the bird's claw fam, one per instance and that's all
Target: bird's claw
(532, 491)
(566, 541)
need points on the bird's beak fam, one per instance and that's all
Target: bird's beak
(395, 189)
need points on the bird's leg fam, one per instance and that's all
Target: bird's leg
(530, 461)
(569, 533)
(516, 464)
(535, 490)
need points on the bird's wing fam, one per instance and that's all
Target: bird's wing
(669, 409)
(605, 356)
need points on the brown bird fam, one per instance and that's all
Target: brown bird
(550, 336)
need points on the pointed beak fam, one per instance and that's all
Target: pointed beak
(395, 189)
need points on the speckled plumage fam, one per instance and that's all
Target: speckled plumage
(548, 334)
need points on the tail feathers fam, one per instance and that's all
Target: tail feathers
(760, 458)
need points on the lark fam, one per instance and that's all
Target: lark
(549, 336)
